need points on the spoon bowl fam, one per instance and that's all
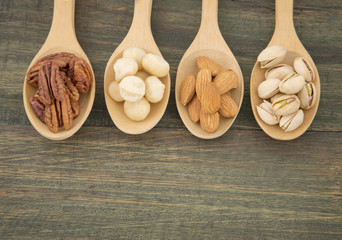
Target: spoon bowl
(139, 35)
(61, 38)
(284, 35)
(208, 42)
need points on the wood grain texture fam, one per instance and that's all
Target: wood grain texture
(168, 184)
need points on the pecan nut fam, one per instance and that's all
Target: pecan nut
(38, 107)
(44, 87)
(57, 84)
(75, 105)
(83, 76)
(67, 113)
(71, 90)
(51, 119)
(32, 75)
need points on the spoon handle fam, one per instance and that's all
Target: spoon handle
(141, 23)
(63, 26)
(209, 35)
(209, 15)
(284, 17)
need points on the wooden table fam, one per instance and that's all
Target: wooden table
(168, 184)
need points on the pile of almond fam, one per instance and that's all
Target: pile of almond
(207, 96)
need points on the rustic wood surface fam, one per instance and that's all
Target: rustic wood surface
(168, 184)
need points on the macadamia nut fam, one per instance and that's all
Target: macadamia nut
(142, 74)
(114, 91)
(132, 88)
(155, 65)
(125, 67)
(154, 89)
(137, 111)
(135, 53)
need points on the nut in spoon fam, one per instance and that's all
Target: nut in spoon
(139, 35)
(208, 42)
(61, 38)
(286, 36)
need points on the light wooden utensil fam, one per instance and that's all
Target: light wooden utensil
(286, 36)
(139, 35)
(61, 38)
(208, 42)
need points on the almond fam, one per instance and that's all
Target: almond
(188, 89)
(202, 80)
(225, 81)
(205, 62)
(211, 100)
(194, 109)
(209, 122)
(228, 108)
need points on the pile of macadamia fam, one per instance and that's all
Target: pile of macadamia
(137, 82)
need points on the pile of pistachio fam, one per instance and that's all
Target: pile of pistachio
(287, 90)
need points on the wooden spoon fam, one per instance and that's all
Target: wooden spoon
(208, 42)
(61, 38)
(139, 35)
(286, 36)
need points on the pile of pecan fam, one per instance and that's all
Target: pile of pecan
(59, 77)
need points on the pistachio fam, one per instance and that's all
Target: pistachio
(286, 105)
(279, 71)
(292, 121)
(307, 96)
(276, 96)
(271, 56)
(267, 114)
(292, 84)
(268, 88)
(303, 67)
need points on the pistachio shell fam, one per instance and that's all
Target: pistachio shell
(303, 67)
(268, 88)
(292, 84)
(276, 96)
(271, 56)
(286, 105)
(279, 71)
(292, 121)
(307, 96)
(267, 114)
